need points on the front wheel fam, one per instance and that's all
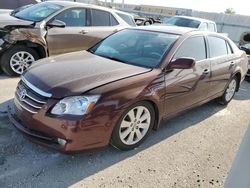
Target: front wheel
(229, 92)
(17, 59)
(133, 126)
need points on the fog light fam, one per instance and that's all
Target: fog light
(61, 141)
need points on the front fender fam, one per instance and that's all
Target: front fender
(28, 35)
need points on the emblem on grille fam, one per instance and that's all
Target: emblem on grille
(23, 94)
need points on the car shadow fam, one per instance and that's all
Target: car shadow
(5, 77)
(3, 107)
(244, 92)
(43, 163)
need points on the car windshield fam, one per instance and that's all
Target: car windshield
(20, 9)
(37, 12)
(136, 47)
(182, 22)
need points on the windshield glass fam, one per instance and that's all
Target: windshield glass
(37, 12)
(182, 22)
(136, 47)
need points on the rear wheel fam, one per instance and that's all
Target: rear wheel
(229, 92)
(133, 126)
(17, 59)
(147, 23)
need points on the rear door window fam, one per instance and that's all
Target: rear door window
(203, 26)
(229, 48)
(113, 21)
(217, 46)
(193, 47)
(211, 27)
(128, 19)
(100, 18)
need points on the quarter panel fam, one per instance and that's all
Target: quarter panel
(222, 69)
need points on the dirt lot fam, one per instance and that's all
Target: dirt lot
(192, 150)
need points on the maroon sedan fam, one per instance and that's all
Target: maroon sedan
(119, 90)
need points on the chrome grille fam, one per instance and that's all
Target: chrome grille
(29, 99)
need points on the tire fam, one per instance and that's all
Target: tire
(21, 57)
(229, 92)
(147, 23)
(129, 131)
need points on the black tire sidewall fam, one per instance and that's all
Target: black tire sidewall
(5, 59)
(115, 138)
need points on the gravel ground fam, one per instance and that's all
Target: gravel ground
(195, 149)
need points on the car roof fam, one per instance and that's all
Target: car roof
(78, 4)
(167, 29)
(195, 18)
(178, 30)
(121, 12)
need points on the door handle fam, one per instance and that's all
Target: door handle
(206, 71)
(83, 32)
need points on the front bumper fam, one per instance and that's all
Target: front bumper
(83, 135)
(4, 46)
(32, 134)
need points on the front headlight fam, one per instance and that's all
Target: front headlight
(77, 105)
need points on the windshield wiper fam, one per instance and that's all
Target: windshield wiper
(113, 58)
(117, 59)
(90, 51)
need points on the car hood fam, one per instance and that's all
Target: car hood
(7, 20)
(77, 72)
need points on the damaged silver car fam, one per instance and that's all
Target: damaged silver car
(244, 45)
(51, 28)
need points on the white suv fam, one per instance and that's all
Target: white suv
(193, 22)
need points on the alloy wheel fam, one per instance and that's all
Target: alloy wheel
(20, 61)
(135, 125)
(231, 90)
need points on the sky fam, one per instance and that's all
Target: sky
(240, 6)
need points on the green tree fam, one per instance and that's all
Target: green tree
(230, 11)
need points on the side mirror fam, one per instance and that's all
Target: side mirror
(181, 63)
(56, 23)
